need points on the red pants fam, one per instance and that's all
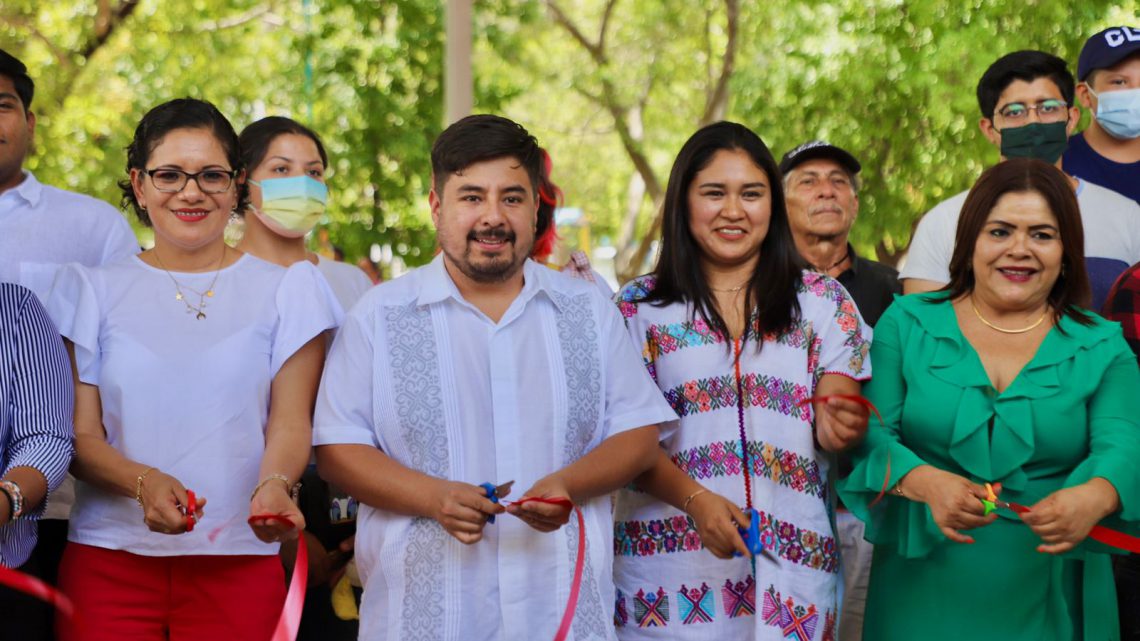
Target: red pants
(121, 596)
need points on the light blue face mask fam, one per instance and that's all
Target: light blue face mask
(1118, 112)
(291, 206)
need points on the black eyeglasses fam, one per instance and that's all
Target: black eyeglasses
(210, 181)
(1051, 110)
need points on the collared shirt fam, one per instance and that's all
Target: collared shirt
(38, 401)
(1112, 238)
(872, 284)
(43, 224)
(422, 374)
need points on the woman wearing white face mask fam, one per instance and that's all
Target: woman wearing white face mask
(287, 164)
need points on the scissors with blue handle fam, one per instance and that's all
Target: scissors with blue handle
(496, 492)
(751, 536)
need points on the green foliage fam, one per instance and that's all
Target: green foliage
(891, 80)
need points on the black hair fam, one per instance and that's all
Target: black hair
(1026, 66)
(255, 139)
(772, 289)
(483, 137)
(14, 68)
(1020, 175)
(181, 113)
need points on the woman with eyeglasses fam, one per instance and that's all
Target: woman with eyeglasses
(197, 366)
(287, 163)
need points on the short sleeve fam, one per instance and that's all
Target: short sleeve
(845, 338)
(68, 294)
(121, 240)
(882, 459)
(632, 398)
(344, 412)
(305, 308)
(928, 257)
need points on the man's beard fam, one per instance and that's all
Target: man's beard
(485, 269)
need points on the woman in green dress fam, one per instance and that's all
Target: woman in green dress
(1000, 378)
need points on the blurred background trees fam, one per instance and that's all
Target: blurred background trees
(611, 87)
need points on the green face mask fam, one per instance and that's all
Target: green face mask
(1044, 141)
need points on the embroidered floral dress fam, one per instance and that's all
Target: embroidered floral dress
(668, 585)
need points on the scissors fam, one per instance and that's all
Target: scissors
(496, 492)
(751, 536)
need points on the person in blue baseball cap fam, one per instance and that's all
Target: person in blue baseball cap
(1107, 153)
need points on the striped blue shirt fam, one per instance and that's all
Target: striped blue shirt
(38, 396)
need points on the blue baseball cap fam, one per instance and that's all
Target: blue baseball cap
(1107, 48)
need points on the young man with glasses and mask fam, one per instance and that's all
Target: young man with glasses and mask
(1026, 99)
(1108, 151)
(44, 224)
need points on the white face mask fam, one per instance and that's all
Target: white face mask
(1118, 112)
(291, 206)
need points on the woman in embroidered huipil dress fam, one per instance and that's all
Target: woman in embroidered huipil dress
(999, 378)
(727, 248)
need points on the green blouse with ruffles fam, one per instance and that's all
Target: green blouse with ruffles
(1070, 415)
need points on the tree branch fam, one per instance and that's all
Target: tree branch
(566, 23)
(244, 18)
(607, 13)
(717, 102)
(106, 22)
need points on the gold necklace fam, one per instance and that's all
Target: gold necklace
(200, 309)
(730, 289)
(1002, 329)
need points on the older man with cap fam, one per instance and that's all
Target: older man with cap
(43, 224)
(821, 189)
(1107, 153)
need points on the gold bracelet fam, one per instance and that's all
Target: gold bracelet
(689, 499)
(273, 477)
(138, 486)
(897, 489)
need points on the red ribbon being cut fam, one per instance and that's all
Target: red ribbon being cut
(290, 618)
(579, 563)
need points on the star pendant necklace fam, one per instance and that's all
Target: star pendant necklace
(200, 309)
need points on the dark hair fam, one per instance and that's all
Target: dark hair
(679, 278)
(14, 68)
(483, 137)
(549, 199)
(255, 139)
(1026, 66)
(1020, 175)
(181, 113)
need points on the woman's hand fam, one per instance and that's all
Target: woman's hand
(544, 517)
(1064, 518)
(273, 498)
(955, 502)
(840, 423)
(163, 500)
(717, 520)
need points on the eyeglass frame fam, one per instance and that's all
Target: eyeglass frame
(1036, 108)
(187, 176)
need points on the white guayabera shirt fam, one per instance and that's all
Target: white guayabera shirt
(425, 376)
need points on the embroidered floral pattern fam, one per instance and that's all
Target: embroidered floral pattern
(651, 610)
(634, 291)
(794, 621)
(718, 392)
(414, 365)
(695, 604)
(784, 467)
(846, 317)
(739, 597)
(679, 534)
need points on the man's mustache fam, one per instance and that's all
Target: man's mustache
(498, 233)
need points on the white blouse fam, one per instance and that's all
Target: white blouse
(188, 396)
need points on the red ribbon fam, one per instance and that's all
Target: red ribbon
(579, 563)
(1107, 536)
(874, 410)
(290, 618)
(31, 585)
